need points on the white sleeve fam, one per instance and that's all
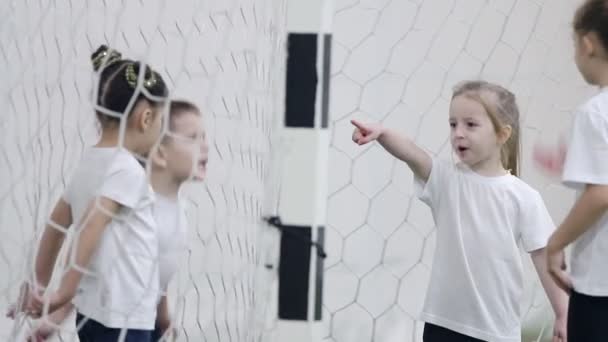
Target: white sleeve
(67, 193)
(536, 225)
(587, 157)
(428, 192)
(125, 182)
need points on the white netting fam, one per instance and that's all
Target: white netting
(396, 61)
(225, 56)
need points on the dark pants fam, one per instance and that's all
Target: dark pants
(93, 331)
(435, 333)
(587, 318)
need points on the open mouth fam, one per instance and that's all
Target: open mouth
(462, 149)
(200, 170)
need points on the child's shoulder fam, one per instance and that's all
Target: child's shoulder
(113, 160)
(525, 195)
(596, 104)
(524, 188)
(128, 159)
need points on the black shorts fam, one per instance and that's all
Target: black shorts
(587, 318)
(435, 333)
(93, 331)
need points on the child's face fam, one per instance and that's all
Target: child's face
(186, 149)
(472, 133)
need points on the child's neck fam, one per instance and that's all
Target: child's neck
(489, 168)
(164, 184)
(601, 75)
(110, 138)
(603, 84)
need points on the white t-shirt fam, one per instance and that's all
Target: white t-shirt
(476, 283)
(121, 289)
(587, 163)
(172, 235)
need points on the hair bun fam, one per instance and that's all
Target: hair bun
(104, 56)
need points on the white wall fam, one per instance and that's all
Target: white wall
(227, 57)
(396, 61)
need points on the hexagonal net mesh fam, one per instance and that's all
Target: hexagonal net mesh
(226, 56)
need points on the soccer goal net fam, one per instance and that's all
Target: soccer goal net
(227, 57)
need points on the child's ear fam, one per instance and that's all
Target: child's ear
(505, 133)
(143, 116)
(589, 44)
(159, 156)
(147, 119)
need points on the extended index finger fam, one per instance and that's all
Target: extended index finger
(360, 125)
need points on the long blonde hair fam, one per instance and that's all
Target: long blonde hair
(501, 106)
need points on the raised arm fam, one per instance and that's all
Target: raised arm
(397, 144)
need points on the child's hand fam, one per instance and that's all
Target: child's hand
(36, 338)
(14, 308)
(25, 297)
(560, 329)
(550, 159)
(47, 327)
(41, 332)
(366, 132)
(35, 305)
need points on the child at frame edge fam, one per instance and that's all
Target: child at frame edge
(482, 210)
(583, 166)
(113, 277)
